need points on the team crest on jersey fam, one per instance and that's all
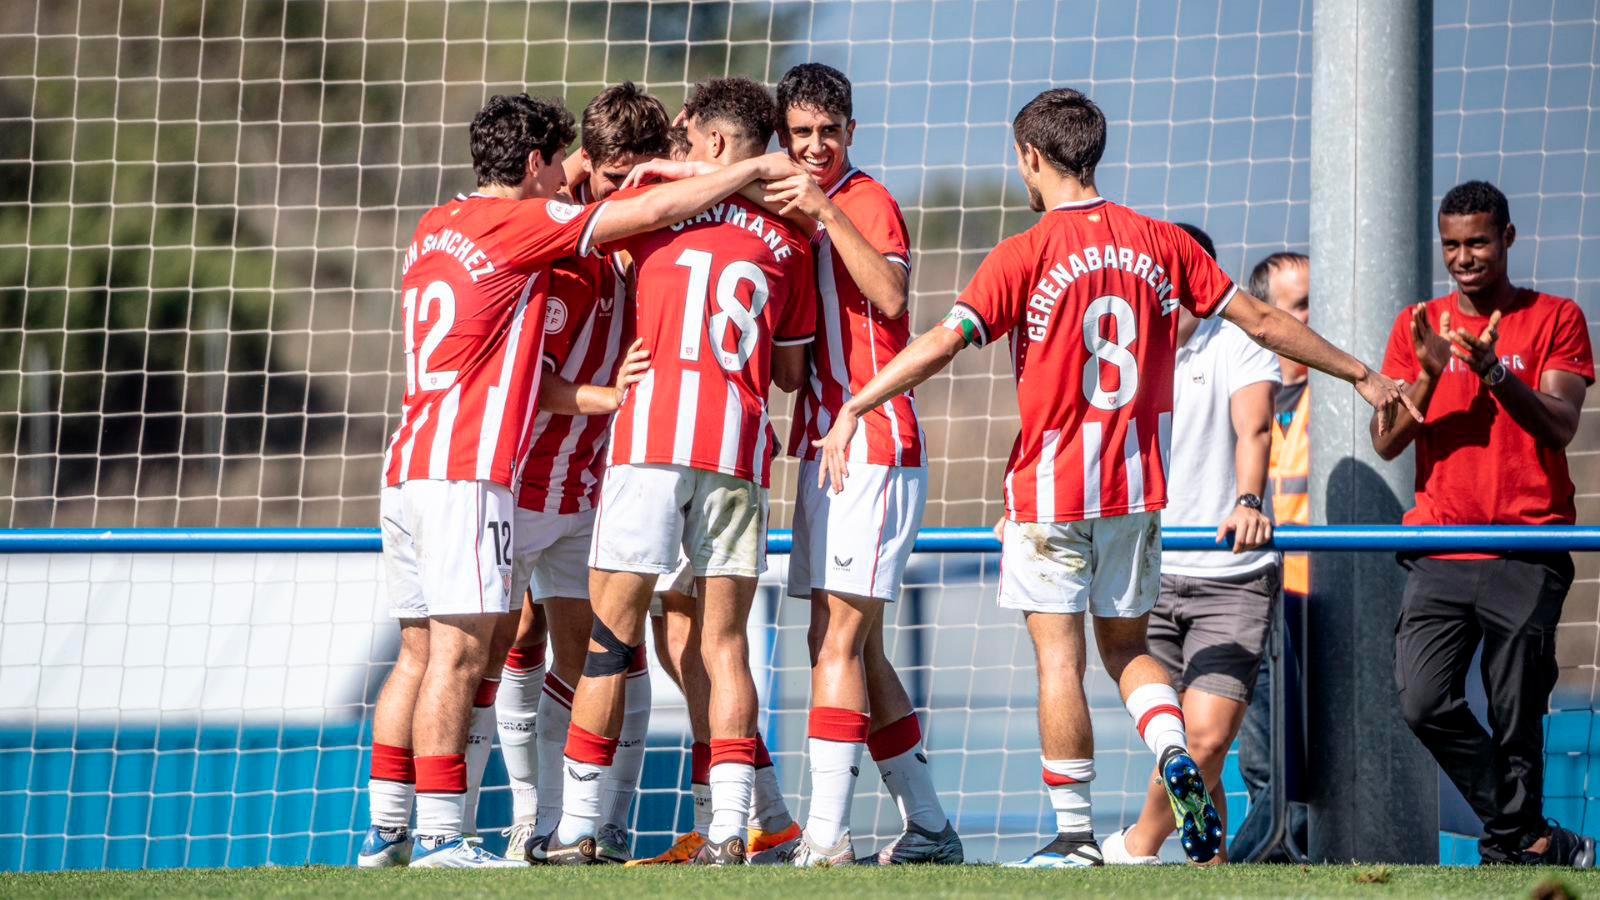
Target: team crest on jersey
(555, 316)
(562, 212)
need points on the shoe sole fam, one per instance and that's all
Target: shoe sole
(1199, 826)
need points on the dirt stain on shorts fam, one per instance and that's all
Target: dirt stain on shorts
(1045, 542)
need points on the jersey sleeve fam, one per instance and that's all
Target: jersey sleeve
(1249, 362)
(993, 300)
(1400, 357)
(1202, 287)
(539, 232)
(874, 213)
(798, 322)
(1570, 350)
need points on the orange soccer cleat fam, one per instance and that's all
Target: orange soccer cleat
(682, 850)
(773, 848)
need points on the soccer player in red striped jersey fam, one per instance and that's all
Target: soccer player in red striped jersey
(474, 282)
(1088, 298)
(725, 306)
(586, 335)
(851, 548)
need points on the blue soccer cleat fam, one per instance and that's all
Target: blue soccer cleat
(459, 854)
(1199, 826)
(385, 848)
(1067, 851)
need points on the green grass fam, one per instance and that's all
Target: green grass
(781, 884)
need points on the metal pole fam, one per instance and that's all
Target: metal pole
(1374, 790)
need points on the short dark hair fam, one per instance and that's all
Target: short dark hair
(1067, 128)
(1201, 238)
(739, 103)
(1261, 275)
(1473, 197)
(511, 126)
(818, 86)
(678, 142)
(623, 120)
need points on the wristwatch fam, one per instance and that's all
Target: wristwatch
(1494, 376)
(1253, 501)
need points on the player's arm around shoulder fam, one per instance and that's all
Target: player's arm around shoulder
(867, 232)
(675, 201)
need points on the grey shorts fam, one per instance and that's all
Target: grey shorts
(1210, 633)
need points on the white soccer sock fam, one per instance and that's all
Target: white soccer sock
(516, 714)
(1067, 781)
(554, 718)
(768, 810)
(623, 780)
(702, 807)
(834, 767)
(441, 797)
(897, 749)
(580, 801)
(480, 742)
(1158, 716)
(731, 786)
(391, 802)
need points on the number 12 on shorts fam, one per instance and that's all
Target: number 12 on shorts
(501, 532)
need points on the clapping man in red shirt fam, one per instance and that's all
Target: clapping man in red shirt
(1499, 372)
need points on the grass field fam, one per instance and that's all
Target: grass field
(921, 882)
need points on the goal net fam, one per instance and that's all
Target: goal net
(202, 208)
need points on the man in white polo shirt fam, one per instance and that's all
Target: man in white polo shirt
(1210, 624)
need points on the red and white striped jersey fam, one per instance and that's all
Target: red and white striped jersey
(854, 340)
(473, 286)
(713, 295)
(585, 337)
(1089, 297)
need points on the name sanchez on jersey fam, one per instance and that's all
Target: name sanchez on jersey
(726, 213)
(456, 244)
(1092, 259)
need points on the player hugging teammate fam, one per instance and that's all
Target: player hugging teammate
(535, 457)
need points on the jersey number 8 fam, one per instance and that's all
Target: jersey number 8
(730, 312)
(1112, 353)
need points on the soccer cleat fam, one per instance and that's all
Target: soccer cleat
(548, 851)
(458, 854)
(1199, 826)
(1067, 851)
(612, 845)
(385, 848)
(682, 851)
(1115, 851)
(773, 848)
(730, 852)
(518, 838)
(809, 855)
(917, 845)
(1566, 848)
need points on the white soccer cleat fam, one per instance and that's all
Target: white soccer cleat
(809, 855)
(385, 848)
(1115, 850)
(458, 854)
(1067, 851)
(518, 837)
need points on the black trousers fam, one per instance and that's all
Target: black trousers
(1512, 606)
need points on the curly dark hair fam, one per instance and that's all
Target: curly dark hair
(739, 104)
(511, 126)
(818, 86)
(1473, 197)
(623, 120)
(1067, 128)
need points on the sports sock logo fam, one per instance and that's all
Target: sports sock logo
(576, 777)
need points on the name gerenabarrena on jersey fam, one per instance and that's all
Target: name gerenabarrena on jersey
(1089, 297)
(714, 295)
(473, 287)
(854, 340)
(585, 326)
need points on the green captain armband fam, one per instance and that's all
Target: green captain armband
(964, 322)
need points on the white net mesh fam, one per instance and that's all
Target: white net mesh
(199, 218)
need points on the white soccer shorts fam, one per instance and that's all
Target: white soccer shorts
(678, 581)
(856, 542)
(650, 515)
(1109, 567)
(550, 554)
(447, 548)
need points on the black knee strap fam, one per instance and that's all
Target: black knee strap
(613, 660)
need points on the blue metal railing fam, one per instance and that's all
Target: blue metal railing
(1358, 538)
